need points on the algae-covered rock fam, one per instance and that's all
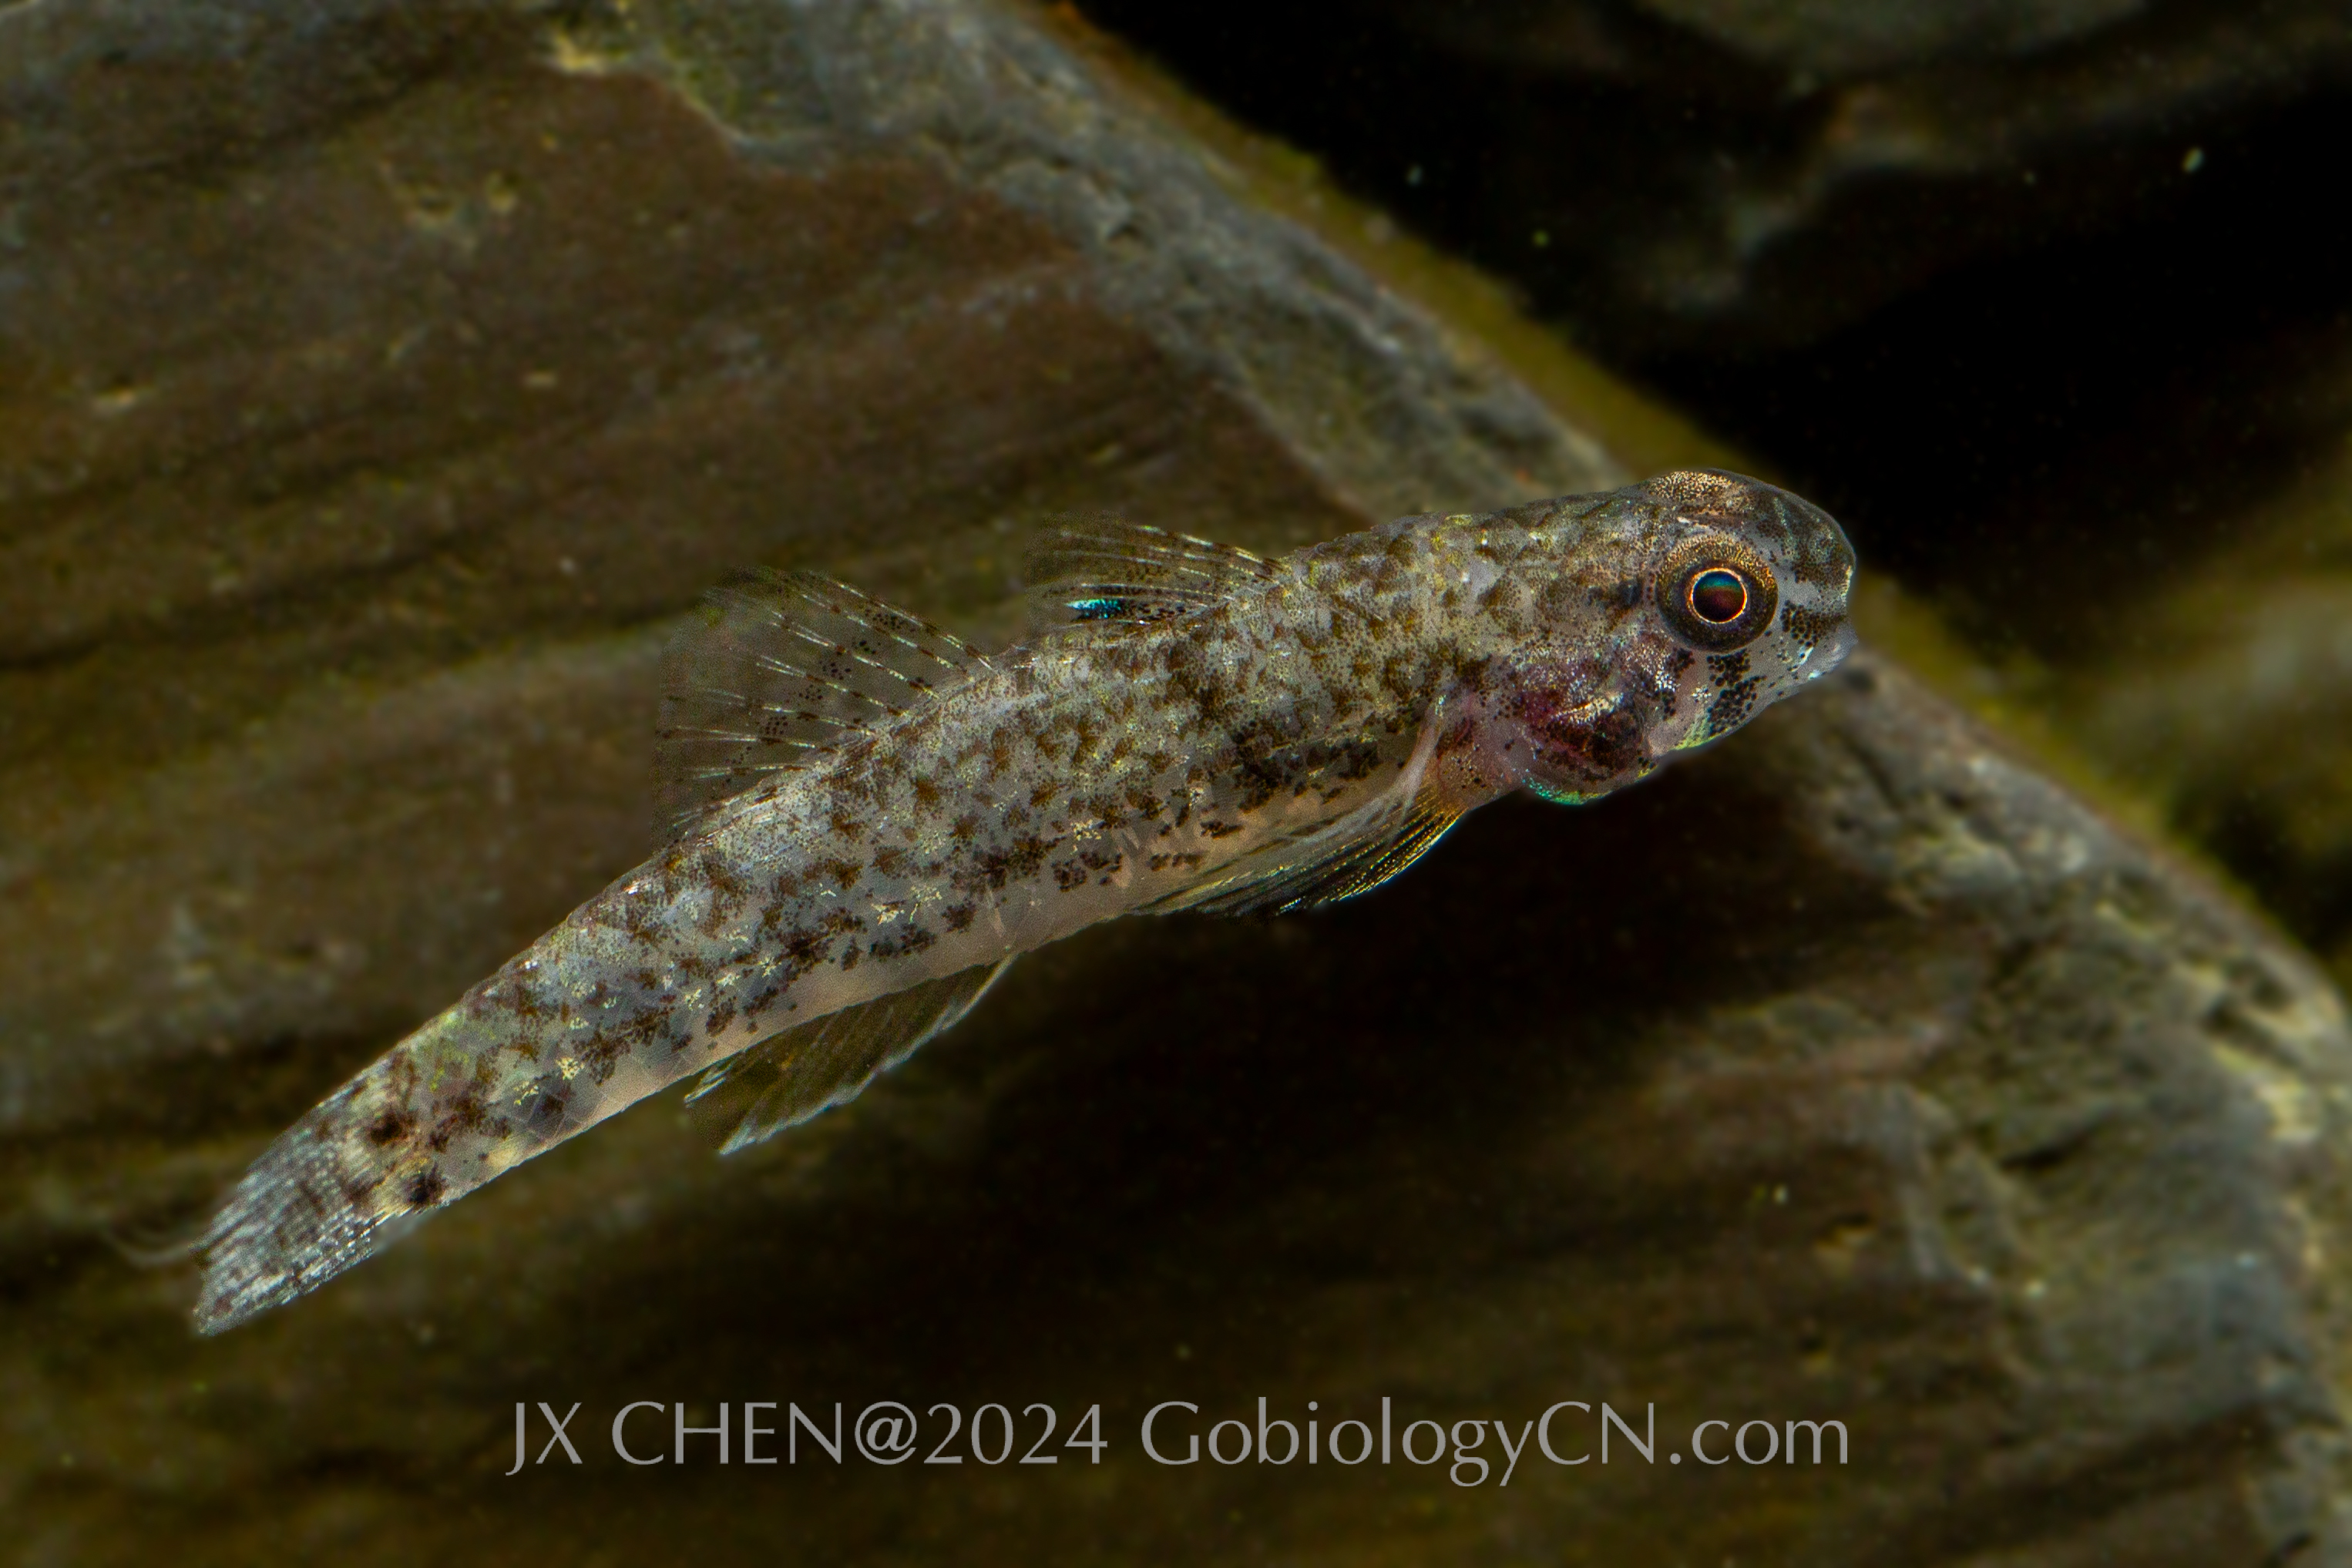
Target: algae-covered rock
(376, 384)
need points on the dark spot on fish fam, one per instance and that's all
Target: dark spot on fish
(1014, 863)
(600, 1054)
(958, 916)
(1068, 874)
(391, 1127)
(1732, 706)
(913, 939)
(1805, 627)
(468, 1115)
(425, 1188)
(638, 922)
(721, 878)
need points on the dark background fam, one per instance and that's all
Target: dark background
(2024, 383)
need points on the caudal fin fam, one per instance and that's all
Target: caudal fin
(295, 1220)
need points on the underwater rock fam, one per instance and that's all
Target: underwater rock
(350, 413)
(378, 383)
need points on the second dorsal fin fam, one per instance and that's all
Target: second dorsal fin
(1100, 568)
(778, 669)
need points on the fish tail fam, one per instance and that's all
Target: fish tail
(301, 1216)
(426, 1124)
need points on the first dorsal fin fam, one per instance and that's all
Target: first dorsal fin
(778, 669)
(1101, 568)
(790, 1077)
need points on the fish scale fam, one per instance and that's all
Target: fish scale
(872, 819)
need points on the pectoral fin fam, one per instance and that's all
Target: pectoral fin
(1351, 856)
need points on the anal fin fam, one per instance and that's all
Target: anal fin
(826, 1061)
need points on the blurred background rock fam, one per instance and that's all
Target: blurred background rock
(379, 381)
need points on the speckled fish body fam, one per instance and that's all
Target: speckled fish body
(1212, 731)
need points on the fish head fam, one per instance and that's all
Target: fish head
(1755, 584)
(1700, 599)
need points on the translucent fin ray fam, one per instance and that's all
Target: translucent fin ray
(777, 670)
(1104, 568)
(791, 1077)
(1351, 856)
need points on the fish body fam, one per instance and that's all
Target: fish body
(874, 819)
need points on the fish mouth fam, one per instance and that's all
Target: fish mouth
(1828, 654)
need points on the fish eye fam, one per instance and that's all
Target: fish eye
(1716, 594)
